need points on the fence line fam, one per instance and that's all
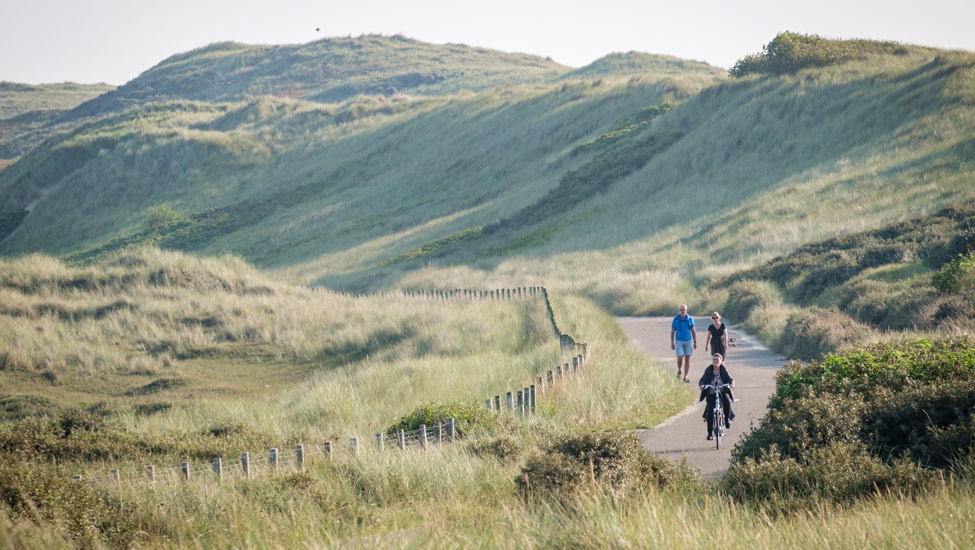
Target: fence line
(520, 401)
(278, 459)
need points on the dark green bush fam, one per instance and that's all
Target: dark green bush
(956, 275)
(880, 418)
(796, 426)
(931, 423)
(40, 491)
(866, 368)
(788, 52)
(612, 461)
(912, 400)
(466, 418)
(837, 473)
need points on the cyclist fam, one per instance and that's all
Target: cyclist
(716, 373)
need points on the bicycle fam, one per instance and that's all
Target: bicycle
(718, 421)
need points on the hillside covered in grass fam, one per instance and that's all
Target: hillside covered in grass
(915, 275)
(328, 71)
(636, 188)
(29, 113)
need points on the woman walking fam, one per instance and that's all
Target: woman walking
(717, 336)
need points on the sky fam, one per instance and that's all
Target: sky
(113, 41)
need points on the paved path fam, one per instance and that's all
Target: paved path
(750, 363)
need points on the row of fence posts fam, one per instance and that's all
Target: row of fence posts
(523, 402)
(461, 294)
(441, 432)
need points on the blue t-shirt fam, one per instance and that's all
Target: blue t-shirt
(683, 327)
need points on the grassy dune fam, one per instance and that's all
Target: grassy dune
(157, 357)
(765, 165)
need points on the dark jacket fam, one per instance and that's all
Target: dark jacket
(708, 378)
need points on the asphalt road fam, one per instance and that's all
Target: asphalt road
(750, 363)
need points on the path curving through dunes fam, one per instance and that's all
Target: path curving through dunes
(750, 363)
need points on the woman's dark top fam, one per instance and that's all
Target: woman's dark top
(708, 377)
(717, 343)
(706, 380)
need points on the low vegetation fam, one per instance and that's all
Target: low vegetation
(789, 52)
(879, 420)
(914, 275)
(153, 357)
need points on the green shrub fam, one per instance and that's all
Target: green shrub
(788, 52)
(866, 368)
(956, 275)
(837, 473)
(612, 461)
(466, 418)
(933, 424)
(912, 400)
(43, 492)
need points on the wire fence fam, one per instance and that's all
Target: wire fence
(521, 402)
(276, 460)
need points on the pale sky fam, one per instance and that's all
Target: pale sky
(114, 40)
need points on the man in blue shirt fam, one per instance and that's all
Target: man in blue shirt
(681, 334)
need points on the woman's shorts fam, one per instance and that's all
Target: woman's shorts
(683, 347)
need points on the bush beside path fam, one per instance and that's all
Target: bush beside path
(751, 364)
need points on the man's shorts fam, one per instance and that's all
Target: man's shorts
(683, 347)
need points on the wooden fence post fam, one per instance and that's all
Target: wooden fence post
(151, 472)
(423, 436)
(380, 442)
(487, 403)
(551, 377)
(327, 449)
(300, 456)
(497, 403)
(185, 468)
(520, 407)
(217, 464)
(575, 363)
(541, 384)
(510, 402)
(245, 464)
(532, 390)
(401, 438)
(272, 458)
(450, 429)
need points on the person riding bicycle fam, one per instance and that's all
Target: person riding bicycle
(716, 373)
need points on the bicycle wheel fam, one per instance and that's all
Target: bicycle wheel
(718, 423)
